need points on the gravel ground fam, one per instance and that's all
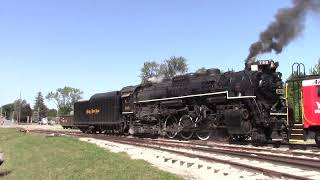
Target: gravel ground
(188, 168)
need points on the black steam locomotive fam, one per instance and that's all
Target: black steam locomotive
(249, 104)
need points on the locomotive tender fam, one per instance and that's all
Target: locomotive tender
(249, 104)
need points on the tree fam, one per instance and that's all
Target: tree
(22, 110)
(39, 107)
(64, 98)
(201, 70)
(52, 113)
(168, 69)
(7, 110)
(316, 69)
(150, 69)
(26, 113)
(174, 66)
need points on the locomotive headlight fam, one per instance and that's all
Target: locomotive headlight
(254, 67)
(272, 65)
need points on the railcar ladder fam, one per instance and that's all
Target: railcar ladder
(294, 100)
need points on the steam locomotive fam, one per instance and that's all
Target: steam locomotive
(249, 104)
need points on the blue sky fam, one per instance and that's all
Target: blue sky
(99, 46)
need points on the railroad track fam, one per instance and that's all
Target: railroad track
(305, 169)
(271, 162)
(289, 152)
(295, 158)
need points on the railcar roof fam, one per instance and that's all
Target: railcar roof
(129, 88)
(301, 78)
(103, 96)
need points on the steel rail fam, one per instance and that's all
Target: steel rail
(258, 149)
(298, 161)
(268, 172)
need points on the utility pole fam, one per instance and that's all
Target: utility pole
(19, 109)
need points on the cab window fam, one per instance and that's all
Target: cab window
(318, 91)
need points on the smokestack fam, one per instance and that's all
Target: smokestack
(288, 24)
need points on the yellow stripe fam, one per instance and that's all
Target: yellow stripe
(296, 134)
(295, 140)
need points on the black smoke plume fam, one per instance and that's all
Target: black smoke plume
(288, 24)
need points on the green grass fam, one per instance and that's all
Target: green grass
(33, 156)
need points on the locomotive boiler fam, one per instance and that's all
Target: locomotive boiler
(249, 104)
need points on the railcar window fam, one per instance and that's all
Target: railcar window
(318, 91)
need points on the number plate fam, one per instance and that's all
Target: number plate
(279, 91)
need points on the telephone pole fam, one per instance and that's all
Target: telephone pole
(19, 109)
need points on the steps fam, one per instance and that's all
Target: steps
(297, 133)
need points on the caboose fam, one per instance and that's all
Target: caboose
(303, 95)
